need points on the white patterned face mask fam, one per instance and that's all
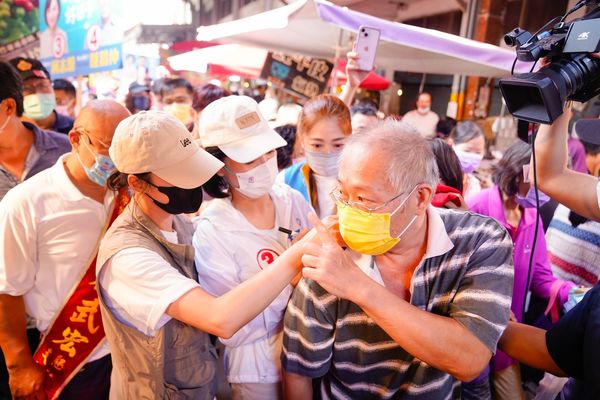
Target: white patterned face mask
(259, 180)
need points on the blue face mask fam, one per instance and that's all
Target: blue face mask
(529, 200)
(101, 170)
(141, 103)
(38, 105)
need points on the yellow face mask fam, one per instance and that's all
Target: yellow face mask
(369, 233)
(181, 111)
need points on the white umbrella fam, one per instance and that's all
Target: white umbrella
(312, 27)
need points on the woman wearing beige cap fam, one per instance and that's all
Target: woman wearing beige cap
(155, 314)
(248, 226)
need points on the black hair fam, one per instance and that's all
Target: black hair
(465, 131)
(158, 84)
(206, 94)
(171, 84)
(64, 85)
(590, 148)
(449, 168)
(48, 6)
(509, 171)
(118, 180)
(284, 154)
(444, 127)
(11, 86)
(365, 107)
(216, 186)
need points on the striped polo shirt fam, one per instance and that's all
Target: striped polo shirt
(466, 275)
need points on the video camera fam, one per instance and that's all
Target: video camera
(571, 75)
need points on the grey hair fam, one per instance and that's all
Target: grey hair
(411, 160)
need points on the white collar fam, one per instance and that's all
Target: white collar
(438, 242)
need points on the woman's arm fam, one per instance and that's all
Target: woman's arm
(225, 315)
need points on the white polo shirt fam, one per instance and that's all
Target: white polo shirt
(48, 230)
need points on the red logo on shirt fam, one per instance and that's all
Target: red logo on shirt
(265, 257)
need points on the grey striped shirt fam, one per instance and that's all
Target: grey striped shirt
(471, 282)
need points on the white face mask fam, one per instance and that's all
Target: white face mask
(423, 110)
(259, 180)
(324, 164)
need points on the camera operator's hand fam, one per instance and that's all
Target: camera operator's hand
(575, 190)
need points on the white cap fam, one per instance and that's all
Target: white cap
(235, 125)
(154, 141)
(288, 114)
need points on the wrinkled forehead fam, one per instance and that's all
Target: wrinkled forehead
(364, 165)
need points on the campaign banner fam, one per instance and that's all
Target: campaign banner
(79, 37)
(19, 25)
(300, 75)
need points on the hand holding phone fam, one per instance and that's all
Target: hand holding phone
(366, 47)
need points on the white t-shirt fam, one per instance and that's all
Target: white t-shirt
(229, 251)
(138, 286)
(425, 124)
(325, 184)
(48, 231)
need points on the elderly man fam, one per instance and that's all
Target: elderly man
(421, 299)
(50, 228)
(423, 119)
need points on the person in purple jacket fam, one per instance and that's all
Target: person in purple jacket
(511, 201)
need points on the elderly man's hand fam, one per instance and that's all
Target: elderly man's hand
(328, 265)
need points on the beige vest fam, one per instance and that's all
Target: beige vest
(177, 363)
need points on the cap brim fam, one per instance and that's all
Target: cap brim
(588, 130)
(192, 172)
(252, 147)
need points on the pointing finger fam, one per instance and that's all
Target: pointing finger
(322, 232)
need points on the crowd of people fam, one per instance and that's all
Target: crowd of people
(319, 251)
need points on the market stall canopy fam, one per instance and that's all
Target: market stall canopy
(312, 27)
(247, 62)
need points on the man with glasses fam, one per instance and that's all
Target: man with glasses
(50, 228)
(420, 298)
(39, 101)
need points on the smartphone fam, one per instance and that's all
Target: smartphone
(366, 47)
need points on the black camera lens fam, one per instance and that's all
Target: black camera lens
(362, 30)
(366, 34)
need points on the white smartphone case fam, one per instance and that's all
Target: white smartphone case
(366, 47)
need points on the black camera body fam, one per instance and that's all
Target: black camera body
(572, 73)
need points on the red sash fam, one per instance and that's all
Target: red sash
(77, 329)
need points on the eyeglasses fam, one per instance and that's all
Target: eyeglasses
(337, 196)
(86, 133)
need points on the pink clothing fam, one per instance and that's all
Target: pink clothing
(489, 202)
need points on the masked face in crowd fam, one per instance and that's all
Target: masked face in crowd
(38, 98)
(254, 179)
(65, 103)
(470, 153)
(424, 104)
(92, 153)
(178, 103)
(323, 145)
(172, 199)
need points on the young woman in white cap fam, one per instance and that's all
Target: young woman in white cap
(248, 226)
(323, 127)
(154, 311)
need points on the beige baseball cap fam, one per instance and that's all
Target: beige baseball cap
(235, 125)
(154, 141)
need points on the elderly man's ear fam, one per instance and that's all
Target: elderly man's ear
(424, 196)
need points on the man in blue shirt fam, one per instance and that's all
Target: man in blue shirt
(39, 101)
